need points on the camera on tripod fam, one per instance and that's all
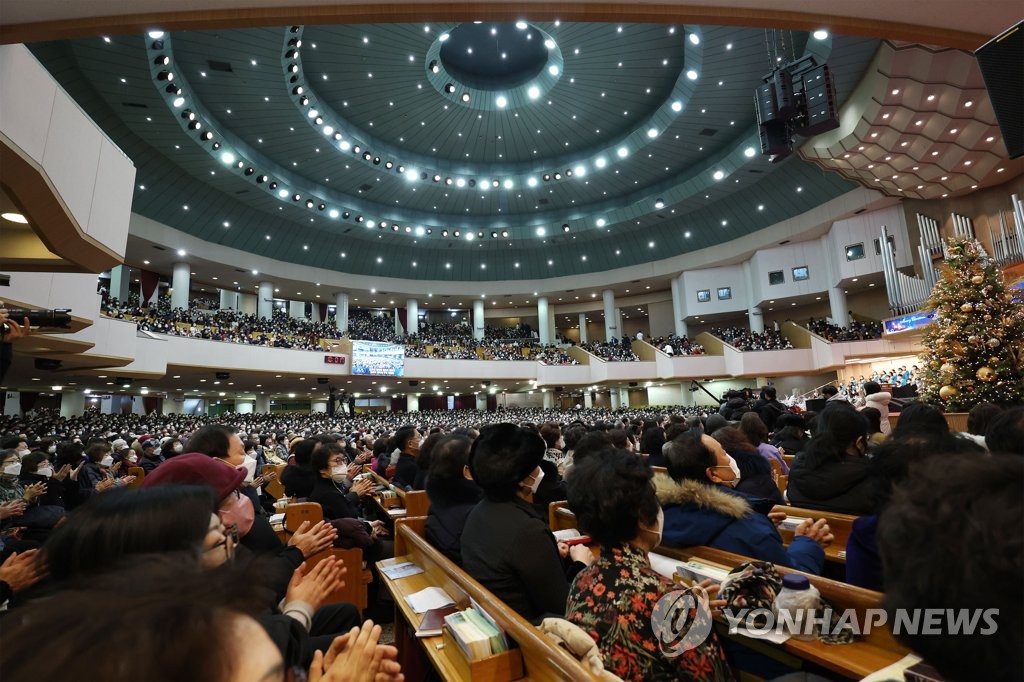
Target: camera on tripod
(54, 319)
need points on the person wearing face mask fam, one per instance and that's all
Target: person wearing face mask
(506, 545)
(701, 508)
(100, 470)
(614, 598)
(452, 492)
(37, 468)
(832, 472)
(150, 459)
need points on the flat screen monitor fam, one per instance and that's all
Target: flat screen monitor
(378, 359)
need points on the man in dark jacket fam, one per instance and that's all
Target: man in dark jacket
(701, 509)
(768, 407)
(150, 459)
(506, 545)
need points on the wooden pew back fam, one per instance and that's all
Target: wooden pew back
(543, 660)
(840, 524)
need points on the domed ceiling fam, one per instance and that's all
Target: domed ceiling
(473, 151)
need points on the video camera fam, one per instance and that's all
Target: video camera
(58, 319)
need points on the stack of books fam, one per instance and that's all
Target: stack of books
(475, 633)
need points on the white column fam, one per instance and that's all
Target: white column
(624, 397)
(543, 320)
(611, 319)
(481, 401)
(552, 325)
(679, 306)
(72, 404)
(297, 309)
(318, 406)
(753, 311)
(262, 404)
(837, 302)
(549, 400)
(265, 300)
(478, 320)
(412, 316)
(245, 406)
(341, 311)
(138, 407)
(412, 402)
(588, 400)
(12, 404)
(181, 280)
(120, 278)
(615, 398)
(228, 299)
(618, 321)
(583, 327)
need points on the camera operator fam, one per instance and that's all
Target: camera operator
(10, 331)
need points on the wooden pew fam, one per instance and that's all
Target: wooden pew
(414, 502)
(543, 661)
(839, 524)
(867, 654)
(856, 660)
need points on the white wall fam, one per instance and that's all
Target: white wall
(713, 279)
(865, 228)
(93, 178)
(785, 258)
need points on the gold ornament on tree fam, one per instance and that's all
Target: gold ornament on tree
(985, 374)
(966, 307)
(993, 343)
(947, 368)
(947, 392)
(977, 279)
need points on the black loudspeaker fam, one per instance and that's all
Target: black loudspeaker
(820, 102)
(322, 380)
(413, 382)
(782, 83)
(223, 376)
(775, 139)
(121, 381)
(816, 404)
(766, 103)
(633, 384)
(46, 364)
(1000, 60)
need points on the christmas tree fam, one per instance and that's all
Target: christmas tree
(974, 351)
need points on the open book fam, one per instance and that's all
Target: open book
(571, 536)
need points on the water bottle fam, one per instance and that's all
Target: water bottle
(795, 606)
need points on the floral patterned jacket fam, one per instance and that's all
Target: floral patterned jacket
(614, 600)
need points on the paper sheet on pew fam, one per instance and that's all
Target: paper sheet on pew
(429, 598)
(402, 570)
(277, 519)
(396, 511)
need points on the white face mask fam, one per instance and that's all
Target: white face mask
(107, 461)
(45, 471)
(133, 458)
(536, 482)
(13, 469)
(22, 453)
(339, 474)
(735, 470)
(659, 526)
(178, 447)
(52, 449)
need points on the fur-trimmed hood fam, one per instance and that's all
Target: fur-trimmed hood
(703, 495)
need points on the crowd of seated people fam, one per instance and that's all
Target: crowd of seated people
(518, 331)
(746, 340)
(612, 351)
(677, 345)
(366, 326)
(455, 341)
(855, 331)
(233, 326)
(490, 477)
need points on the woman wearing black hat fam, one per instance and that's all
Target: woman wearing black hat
(506, 545)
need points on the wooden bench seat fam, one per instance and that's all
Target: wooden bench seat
(414, 502)
(840, 524)
(543, 661)
(856, 660)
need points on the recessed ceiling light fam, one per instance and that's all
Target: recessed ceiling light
(691, 74)
(820, 34)
(718, 175)
(15, 218)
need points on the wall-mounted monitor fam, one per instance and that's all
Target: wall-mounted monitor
(855, 251)
(724, 293)
(703, 295)
(378, 359)
(776, 277)
(801, 274)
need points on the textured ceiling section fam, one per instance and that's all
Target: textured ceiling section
(925, 128)
(662, 196)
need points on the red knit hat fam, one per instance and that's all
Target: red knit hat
(196, 468)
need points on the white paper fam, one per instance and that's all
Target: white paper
(276, 519)
(792, 522)
(769, 636)
(402, 570)
(396, 511)
(663, 565)
(429, 598)
(566, 534)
